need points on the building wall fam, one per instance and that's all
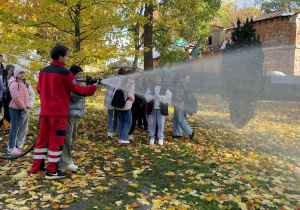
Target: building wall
(280, 37)
(297, 23)
(207, 63)
(277, 31)
(297, 63)
(218, 35)
(280, 58)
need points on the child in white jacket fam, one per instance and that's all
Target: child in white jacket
(158, 97)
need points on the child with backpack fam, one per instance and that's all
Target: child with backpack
(17, 107)
(180, 123)
(158, 96)
(112, 118)
(124, 113)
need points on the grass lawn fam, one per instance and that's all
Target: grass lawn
(257, 167)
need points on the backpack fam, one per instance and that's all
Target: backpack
(118, 99)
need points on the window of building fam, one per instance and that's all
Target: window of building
(210, 40)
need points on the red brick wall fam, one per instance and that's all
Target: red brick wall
(279, 37)
(277, 31)
(279, 58)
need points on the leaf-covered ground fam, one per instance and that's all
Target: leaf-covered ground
(257, 167)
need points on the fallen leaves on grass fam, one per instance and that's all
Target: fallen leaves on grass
(251, 168)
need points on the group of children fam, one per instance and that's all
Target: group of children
(151, 99)
(62, 99)
(17, 98)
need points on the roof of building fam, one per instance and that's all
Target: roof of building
(280, 13)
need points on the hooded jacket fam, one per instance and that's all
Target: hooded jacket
(19, 94)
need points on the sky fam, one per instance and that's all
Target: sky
(243, 3)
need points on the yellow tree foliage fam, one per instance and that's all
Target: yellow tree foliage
(90, 29)
(230, 12)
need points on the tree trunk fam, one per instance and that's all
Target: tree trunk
(148, 29)
(137, 44)
(77, 27)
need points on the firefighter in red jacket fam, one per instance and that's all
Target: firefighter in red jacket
(55, 85)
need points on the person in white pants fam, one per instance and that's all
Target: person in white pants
(158, 96)
(22, 132)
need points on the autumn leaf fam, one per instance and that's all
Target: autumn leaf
(133, 184)
(158, 203)
(118, 203)
(133, 162)
(170, 173)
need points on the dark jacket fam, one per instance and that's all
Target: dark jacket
(177, 94)
(163, 106)
(3, 73)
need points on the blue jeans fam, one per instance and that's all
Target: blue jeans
(15, 120)
(179, 122)
(125, 121)
(112, 120)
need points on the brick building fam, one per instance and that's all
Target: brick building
(279, 33)
(280, 36)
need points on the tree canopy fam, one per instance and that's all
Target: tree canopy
(269, 6)
(94, 30)
(88, 28)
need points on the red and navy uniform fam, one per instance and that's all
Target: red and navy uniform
(55, 86)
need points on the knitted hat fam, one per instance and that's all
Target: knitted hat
(18, 70)
(75, 69)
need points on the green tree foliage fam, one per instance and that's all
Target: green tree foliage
(161, 22)
(172, 55)
(177, 19)
(244, 35)
(242, 68)
(269, 6)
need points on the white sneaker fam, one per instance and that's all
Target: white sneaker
(110, 134)
(71, 167)
(13, 151)
(151, 140)
(1, 139)
(114, 134)
(160, 142)
(130, 137)
(124, 142)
